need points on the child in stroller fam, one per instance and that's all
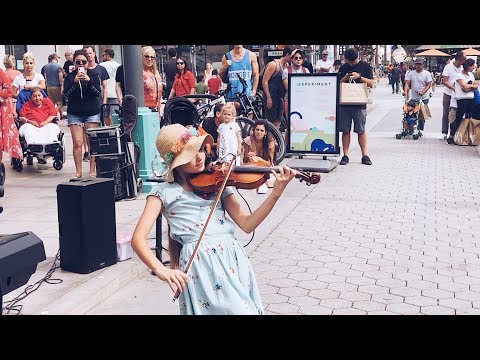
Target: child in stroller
(410, 120)
(40, 135)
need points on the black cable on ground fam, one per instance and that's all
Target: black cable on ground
(11, 304)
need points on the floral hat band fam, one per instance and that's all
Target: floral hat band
(178, 145)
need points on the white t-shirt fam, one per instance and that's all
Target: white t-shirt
(228, 141)
(459, 93)
(111, 67)
(294, 71)
(19, 81)
(450, 70)
(327, 64)
(418, 81)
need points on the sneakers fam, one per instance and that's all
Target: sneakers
(42, 161)
(366, 160)
(262, 189)
(86, 156)
(450, 141)
(29, 160)
(344, 160)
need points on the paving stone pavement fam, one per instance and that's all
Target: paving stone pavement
(399, 237)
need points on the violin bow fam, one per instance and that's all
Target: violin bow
(214, 205)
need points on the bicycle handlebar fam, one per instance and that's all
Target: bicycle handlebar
(201, 96)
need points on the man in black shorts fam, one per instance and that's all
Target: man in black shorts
(361, 71)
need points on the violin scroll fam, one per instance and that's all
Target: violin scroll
(308, 177)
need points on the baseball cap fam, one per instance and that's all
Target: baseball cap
(419, 61)
(297, 51)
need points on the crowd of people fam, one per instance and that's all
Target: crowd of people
(221, 279)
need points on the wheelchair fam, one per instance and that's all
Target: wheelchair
(41, 151)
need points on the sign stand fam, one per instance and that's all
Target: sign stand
(312, 121)
(323, 165)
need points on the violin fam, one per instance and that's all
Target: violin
(249, 176)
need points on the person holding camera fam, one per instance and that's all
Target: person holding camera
(83, 90)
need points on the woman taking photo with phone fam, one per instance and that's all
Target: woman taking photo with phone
(82, 92)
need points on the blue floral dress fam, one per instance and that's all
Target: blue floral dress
(221, 277)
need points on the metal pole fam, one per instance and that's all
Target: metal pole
(133, 71)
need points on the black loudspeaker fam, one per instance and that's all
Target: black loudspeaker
(19, 255)
(86, 220)
(113, 166)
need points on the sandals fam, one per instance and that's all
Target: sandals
(75, 177)
(92, 175)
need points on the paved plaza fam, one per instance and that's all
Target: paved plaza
(399, 237)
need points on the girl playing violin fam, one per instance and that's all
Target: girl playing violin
(220, 279)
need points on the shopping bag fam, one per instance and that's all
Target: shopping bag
(425, 111)
(474, 132)
(461, 135)
(352, 93)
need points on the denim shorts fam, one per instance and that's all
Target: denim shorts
(81, 120)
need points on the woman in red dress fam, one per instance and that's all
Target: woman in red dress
(9, 140)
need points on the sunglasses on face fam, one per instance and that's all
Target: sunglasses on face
(324, 54)
(180, 63)
(80, 62)
(148, 57)
(297, 58)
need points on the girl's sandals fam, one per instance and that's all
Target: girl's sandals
(75, 177)
(92, 175)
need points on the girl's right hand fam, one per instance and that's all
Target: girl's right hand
(175, 278)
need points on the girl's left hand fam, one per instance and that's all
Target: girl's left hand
(284, 176)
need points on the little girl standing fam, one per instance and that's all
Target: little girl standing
(229, 136)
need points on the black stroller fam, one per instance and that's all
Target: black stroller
(180, 110)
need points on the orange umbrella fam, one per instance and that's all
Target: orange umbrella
(432, 52)
(471, 52)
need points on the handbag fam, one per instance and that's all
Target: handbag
(425, 111)
(352, 93)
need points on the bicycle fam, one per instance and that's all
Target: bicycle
(249, 107)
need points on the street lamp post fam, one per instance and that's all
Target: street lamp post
(145, 132)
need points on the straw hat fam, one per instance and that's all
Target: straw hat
(178, 145)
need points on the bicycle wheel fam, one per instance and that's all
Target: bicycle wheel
(246, 125)
(259, 105)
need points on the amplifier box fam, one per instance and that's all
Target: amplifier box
(87, 229)
(105, 140)
(113, 166)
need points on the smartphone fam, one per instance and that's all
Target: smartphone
(81, 69)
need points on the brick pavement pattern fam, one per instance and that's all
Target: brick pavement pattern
(399, 237)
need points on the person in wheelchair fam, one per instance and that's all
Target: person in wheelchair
(36, 117)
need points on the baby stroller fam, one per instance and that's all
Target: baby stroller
(180, 110)
(54, 149)
(410, 120)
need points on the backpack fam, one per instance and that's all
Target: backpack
(224, 77)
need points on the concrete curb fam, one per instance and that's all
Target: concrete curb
(87, 294)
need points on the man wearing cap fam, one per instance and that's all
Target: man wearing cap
(420, 81)
(361, 72)
(323, 65)
(296, 66)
